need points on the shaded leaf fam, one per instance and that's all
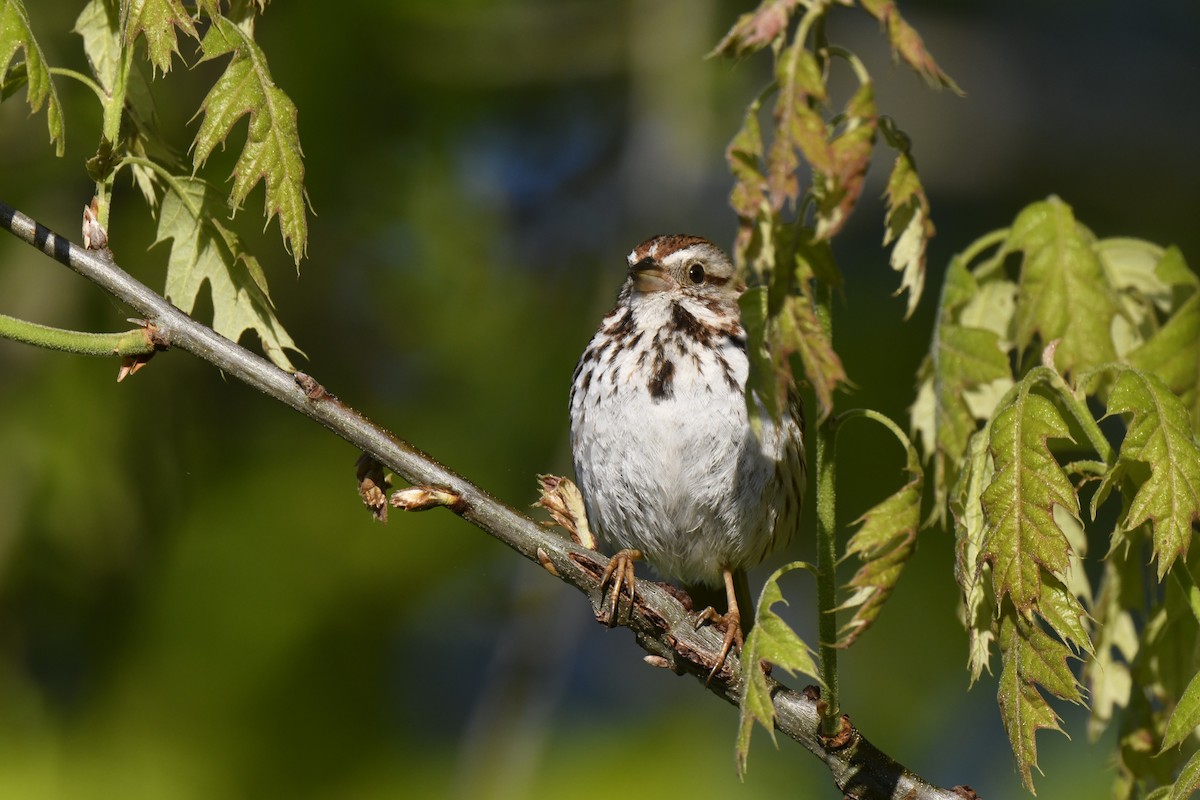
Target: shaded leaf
(157, 21)
(799, 128)
(1160, 436)
(838, 189)
(799, 331)
(907, 43)
(16, 34)
(1173, 354)
(1021, 536)
(1185, 717)
(761, 379)
(884, 542)
(1063, 292)
(909, 226)
(1107, 675)
(770, 640)
(1188, 782)
(272, 152)
(204, 250)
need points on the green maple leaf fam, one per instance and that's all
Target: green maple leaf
(1173, 353)
(1031, 656)
(1021, 536)
(204, 250)
(885, 540)
(771, 639)
(157, 21)
(272, 152)
(969, 567)
(1160, 437)
(16, 34)
(1064, 293)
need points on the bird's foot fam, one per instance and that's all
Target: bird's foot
(731, 622)
(618, 573)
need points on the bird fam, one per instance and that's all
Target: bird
(676, 465)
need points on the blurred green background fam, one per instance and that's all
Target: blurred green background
(193, 603)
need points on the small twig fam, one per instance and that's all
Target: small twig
(663, 627)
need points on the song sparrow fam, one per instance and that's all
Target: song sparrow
(665, 456)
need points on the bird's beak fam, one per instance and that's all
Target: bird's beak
(648, 276)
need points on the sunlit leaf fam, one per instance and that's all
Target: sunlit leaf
(157, 20)
(969, 568)
(909, 226)
(204, 250)
(272, 152)
(99, 24)
(1064, 293)
(16, 34)
(1021, 536)
(1063, 612)
(757, 29)
(1160, 436)
(907, 43)
(774, 641)
(1031, 658)
(883, 544)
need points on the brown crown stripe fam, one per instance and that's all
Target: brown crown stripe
(658, 247)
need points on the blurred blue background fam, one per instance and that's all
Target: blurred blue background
(193, 603)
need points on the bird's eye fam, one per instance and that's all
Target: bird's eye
(696, 273)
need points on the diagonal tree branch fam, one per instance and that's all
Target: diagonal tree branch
(663, 627)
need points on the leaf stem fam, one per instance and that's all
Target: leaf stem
(110, 135)
(81, 78)
(128, 343)
(978, 247)
(827, 542)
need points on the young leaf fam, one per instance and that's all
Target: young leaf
(272, 152)
(744, 155)
(202, 249)
(799, 128)
(969, 568)
(770, 640)
(1160, 436)
(907, 44)
(1021, 536)
(157, 19)
(884, 542)
(909, 226)
(838, 190)
(799, 331)
(1031, 656)
(1063, 293)
(16, 34)
(757, 29)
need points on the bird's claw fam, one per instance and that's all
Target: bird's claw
(619, 573)
(731, 621)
